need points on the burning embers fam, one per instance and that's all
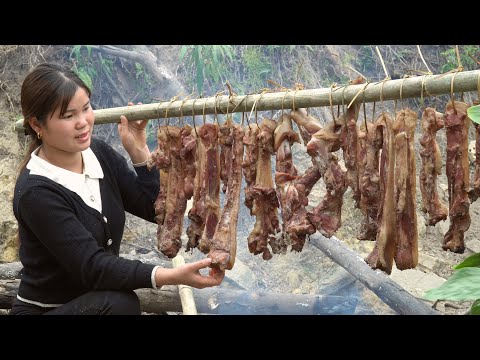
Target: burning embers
(380, 171)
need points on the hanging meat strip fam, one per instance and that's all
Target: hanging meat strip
(250, 162)
(265, 202)
(208, 134)
(223, 246)
(308, 125)
(206, 138)
(225, 141)
(326, 217)
(382, 255)
(350, 150)
(456, 124)
(197, 212)
(175, 154)
(284, 137)
(349, 138)
(406, 249)
(189, 153)
(474, 192)
(285, 173)
(292, 190)
(369, 181)
(160, 158)
(436, 210)
(326, 141)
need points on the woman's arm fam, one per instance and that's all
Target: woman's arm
(134, 140)
(138, 189)
(73, 247)
(189, 274)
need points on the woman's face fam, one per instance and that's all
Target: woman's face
(71, 132)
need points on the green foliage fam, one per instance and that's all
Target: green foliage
(107, 65)
(289, 48)
(88, 67)
(84, 64)
(151, 130)
(142, 80)
(207, 61)
(86, 78)
(471, 261)
(366, 61)
(246, 67)
(466, 54)
(463, 285)
(475, 310)
(257, 66)
(473, 113)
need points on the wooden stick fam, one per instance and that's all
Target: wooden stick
(412, 87)
(387, 75)
(226, 301)
(186, 293)
(421, 57)
(398, 299)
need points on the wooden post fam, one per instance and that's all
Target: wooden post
(397, 298)
(412, 88)
(219, 301)
(186, 293)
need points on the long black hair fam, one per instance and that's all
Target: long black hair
(46, 88)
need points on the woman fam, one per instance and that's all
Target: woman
(70, 201)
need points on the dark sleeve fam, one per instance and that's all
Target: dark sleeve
(74, 247)
(139, 189)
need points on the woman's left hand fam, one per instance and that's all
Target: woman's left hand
(134, 138)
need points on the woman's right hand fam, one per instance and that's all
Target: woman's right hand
(189, 274)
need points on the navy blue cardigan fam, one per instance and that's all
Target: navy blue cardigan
(64, 243)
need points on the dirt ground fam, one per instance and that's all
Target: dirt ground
(304, 272)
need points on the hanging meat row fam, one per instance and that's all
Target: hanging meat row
(380, 171)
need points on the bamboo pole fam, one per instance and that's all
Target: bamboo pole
(412, 88)
(186, 293)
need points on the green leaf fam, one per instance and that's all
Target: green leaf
(183, 51)
(473, 113)
(199, 77)
(471, 261)
(76, 51)
(229, 52)
(214, 52)
(475, 310)
(82, 74)
(464, 284)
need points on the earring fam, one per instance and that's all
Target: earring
(39, 136)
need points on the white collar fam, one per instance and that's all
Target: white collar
(38, 166)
